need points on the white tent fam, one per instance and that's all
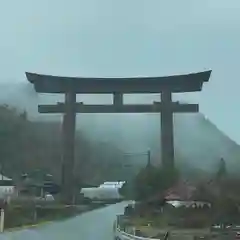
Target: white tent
(112, 184)
(101, 193)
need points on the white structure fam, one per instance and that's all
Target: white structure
(49, 197)
(2, 220)
(102, 193)
(106, 191)
(112, 184)
(7, 187)
(188, 204)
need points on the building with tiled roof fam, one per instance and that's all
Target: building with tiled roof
(181, 191)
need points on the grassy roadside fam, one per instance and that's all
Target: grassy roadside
(20, 217)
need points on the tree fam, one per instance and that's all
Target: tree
(222, 170)
(145, 183)
(169, 177)
(152, 180)
(124, 190)
(226, 209)
(202, 193)
(27, 145)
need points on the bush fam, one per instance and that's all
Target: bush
(18, 216)
(151, 181)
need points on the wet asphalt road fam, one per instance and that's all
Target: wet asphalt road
(94, 225)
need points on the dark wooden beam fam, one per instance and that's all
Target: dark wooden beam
(69, 120)
(177, 83)
(118, 99)
(167, 135)
(127, 108)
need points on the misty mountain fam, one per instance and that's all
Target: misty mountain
(198, 142)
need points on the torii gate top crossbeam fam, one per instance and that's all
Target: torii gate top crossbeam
(178, 83)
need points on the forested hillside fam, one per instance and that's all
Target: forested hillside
(28, 145)
(105, 138)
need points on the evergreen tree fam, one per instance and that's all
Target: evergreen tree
(222, 170)
(151, 181)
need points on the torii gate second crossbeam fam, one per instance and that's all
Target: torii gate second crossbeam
(118, 87)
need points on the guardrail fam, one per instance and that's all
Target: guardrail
(122, 231)
(122, 235)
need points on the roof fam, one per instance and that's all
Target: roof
(181, 191)
(2, 177)
(177, 83)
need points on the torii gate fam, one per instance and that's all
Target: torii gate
(70, 86)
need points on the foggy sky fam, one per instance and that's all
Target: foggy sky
(128, 38)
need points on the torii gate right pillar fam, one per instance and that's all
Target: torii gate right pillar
(167, 139)
(167, 126)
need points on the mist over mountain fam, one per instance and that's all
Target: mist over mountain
(198, 142)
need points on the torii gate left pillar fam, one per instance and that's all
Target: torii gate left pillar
(68, 143)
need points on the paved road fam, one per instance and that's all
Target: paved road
(94, 225)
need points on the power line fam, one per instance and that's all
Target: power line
(136, 154)
(148, 154)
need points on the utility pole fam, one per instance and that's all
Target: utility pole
(1, 171)
(148, 158)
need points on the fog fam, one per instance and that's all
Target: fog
(128, 38)
(123, 39)
(198, 142)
